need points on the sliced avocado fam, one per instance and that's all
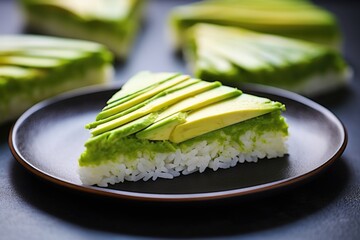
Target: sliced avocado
(212, 61)
(222, 114)
(36, 42)
(31, 61)
(179, 86)
(17, 72)
(162, 129)
(134, 126)
(127, 129)
(200, 100)
(123, 105)
(247, 59)
(161, 102)
(67, 54)
(141, 82)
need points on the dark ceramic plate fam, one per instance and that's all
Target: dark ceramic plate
(49, 137)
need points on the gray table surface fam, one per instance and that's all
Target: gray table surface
(328, 207)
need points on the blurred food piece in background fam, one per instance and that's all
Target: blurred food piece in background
(299, 19)
(33, 68)
(234, 55)
(114, 23)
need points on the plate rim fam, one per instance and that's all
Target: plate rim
(187, 197)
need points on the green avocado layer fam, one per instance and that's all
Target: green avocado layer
(237, 55)
(113, 23)
(33, 68)
(299, 19)
(103, 148)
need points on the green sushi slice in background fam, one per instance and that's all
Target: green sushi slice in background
(114, 23)
(237, 55)
(189, 126)
(33, 68)
(299, 19)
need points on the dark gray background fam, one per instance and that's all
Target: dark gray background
(328, 207)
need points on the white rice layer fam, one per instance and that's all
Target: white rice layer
(185, 160)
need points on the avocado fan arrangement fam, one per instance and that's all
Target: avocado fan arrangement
(237, 56)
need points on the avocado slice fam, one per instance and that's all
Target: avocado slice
(246, 58)
(32, 62)
(142, 104)
(134, 126)
(31, 42)
(162, 129)
(222, 114)
(66, 54)
(200, 100)
(161, 101)
(141, 82)
(18, 72)
(128, 129)
(127, 103)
